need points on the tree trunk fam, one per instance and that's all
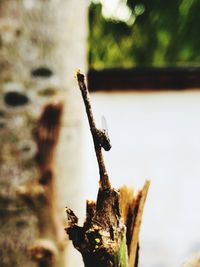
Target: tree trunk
(41, 44)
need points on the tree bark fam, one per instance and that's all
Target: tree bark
(41, 44)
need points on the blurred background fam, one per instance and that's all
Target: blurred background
(129, 33)
(144, 57)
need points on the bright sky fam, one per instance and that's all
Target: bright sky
(115, 9)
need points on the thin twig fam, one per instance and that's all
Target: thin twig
(104, 179)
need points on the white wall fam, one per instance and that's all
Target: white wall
(155, 136)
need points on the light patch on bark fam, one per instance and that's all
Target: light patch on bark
(193, 261)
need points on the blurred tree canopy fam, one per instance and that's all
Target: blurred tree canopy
(157, 33)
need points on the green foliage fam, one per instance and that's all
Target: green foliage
(163, 33)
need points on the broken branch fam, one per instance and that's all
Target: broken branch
(110, 234)
(96, 133)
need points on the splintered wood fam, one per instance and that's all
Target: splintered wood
(131, 208)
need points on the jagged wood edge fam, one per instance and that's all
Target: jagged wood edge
(134, 245)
